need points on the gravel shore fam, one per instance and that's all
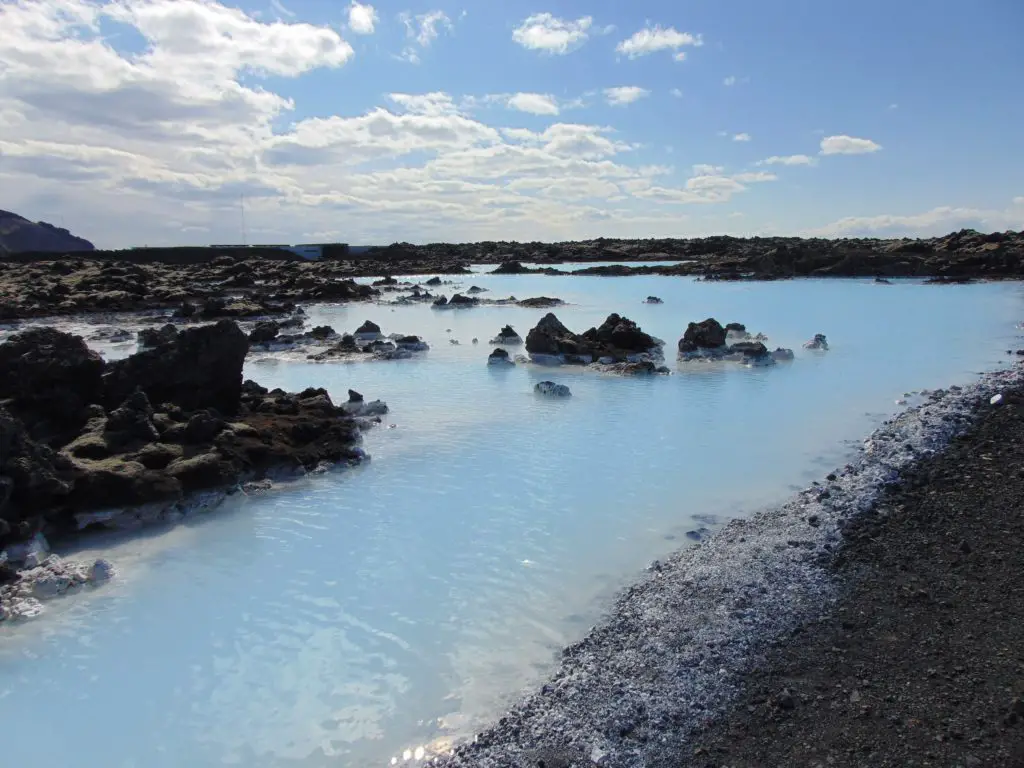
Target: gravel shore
(727, 653)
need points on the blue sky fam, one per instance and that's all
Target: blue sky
(148, 121)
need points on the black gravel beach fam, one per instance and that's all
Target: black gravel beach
(921, 662)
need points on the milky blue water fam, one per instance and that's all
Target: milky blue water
(356, 615)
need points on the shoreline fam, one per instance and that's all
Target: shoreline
(201, 280)
(673, 653)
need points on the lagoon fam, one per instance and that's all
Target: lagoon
(359, 615)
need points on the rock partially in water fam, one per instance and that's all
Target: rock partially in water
(507, 336)
(368, 331)
(708, 334)
(617, 339)
(783, 354)
(265, 331)
(540, 302)
(653, 300)
(551, 389)
(819, 342)
(499, 357)
(510, 268)
(185, 424)
(113, 335)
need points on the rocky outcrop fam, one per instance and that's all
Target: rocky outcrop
(368, 331)
(458, 301)
(201, 368)
(396, 347)
(507, 336)
(48, 378)
(617, 339)
(19, 235)
(708, 334)
(85, 442)
(154, 337)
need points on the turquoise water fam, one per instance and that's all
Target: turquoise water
(353, 616)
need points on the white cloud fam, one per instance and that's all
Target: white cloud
(788, 160)
(937, 221)
(362, 19)
(422, 30)
(1018, 201)
(435, 103)
(894, 106)
(702, 169)
(676, 92)
(625, 94)
(680, 56)
(847, 145)
(155, 143)
(653, 39)
(730, 80)
(741, 137)
(544, 32)
(755, 177)
(534, 103)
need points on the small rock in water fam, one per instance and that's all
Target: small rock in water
(552, 389)
(453, 341)
(101, 570)
(653, 300)
(476, 340)
(818, 342)
(499, 357)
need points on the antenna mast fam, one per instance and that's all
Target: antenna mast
(245, 236)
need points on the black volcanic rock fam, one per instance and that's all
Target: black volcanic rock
(617, 337)
(48, 378)
(708, 334)
(201, 368)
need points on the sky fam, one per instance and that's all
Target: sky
(190, 122)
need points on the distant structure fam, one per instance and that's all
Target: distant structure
(310, 251)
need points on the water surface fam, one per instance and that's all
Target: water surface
(360, 614)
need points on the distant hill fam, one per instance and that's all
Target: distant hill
(18, 234)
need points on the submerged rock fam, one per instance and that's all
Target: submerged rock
(818, 342)
(507, 336)
(551, 389)
(499, 357)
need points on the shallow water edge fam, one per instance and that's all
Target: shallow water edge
(671, 654)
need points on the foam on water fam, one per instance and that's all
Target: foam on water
(353, 616)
